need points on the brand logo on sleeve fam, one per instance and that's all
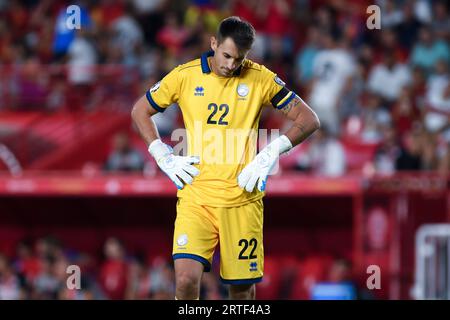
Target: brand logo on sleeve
(199, 91)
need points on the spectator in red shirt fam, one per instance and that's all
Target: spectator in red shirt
(114, 270)
(27, 264)
(173, 35)
(405, 112)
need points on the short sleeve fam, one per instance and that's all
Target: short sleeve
(165, 92)
(274, 89)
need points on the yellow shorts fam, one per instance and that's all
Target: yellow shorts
(199, 228)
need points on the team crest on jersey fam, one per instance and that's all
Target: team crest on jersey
(242, 90)
(279, 81)
(182, 240)
(155, 86)
(199, 91)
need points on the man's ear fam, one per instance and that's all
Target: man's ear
(214, 43)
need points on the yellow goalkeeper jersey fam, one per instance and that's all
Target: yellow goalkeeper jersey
(221, 116)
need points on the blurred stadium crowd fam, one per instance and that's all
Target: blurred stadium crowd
(39, 270)
(382, 93)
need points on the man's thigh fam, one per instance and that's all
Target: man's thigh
(241, 243)
(196, 233)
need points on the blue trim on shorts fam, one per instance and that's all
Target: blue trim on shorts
(195, 257)
(241, 281)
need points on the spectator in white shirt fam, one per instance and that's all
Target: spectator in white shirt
(124, 157)
(438, 99)
(389, 77)
(128, 36)
(325, 155)
(391, 14)
(82, 60)
(333, 67)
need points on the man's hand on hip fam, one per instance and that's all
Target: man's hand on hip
(259, 168)
(179, 169)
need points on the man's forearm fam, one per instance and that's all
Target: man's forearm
(141, 115)
(305, 121)
(300, 131)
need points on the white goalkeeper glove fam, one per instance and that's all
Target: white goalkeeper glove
(259, 168)
(179, 169)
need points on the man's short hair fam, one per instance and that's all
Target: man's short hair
(240, 31)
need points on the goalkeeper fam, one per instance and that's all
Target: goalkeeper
(220, 201)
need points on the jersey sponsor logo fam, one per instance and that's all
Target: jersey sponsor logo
(279, 81)
(253, 266)
(155, 86)
(199, 91)
(242, 90)
(182, 240)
